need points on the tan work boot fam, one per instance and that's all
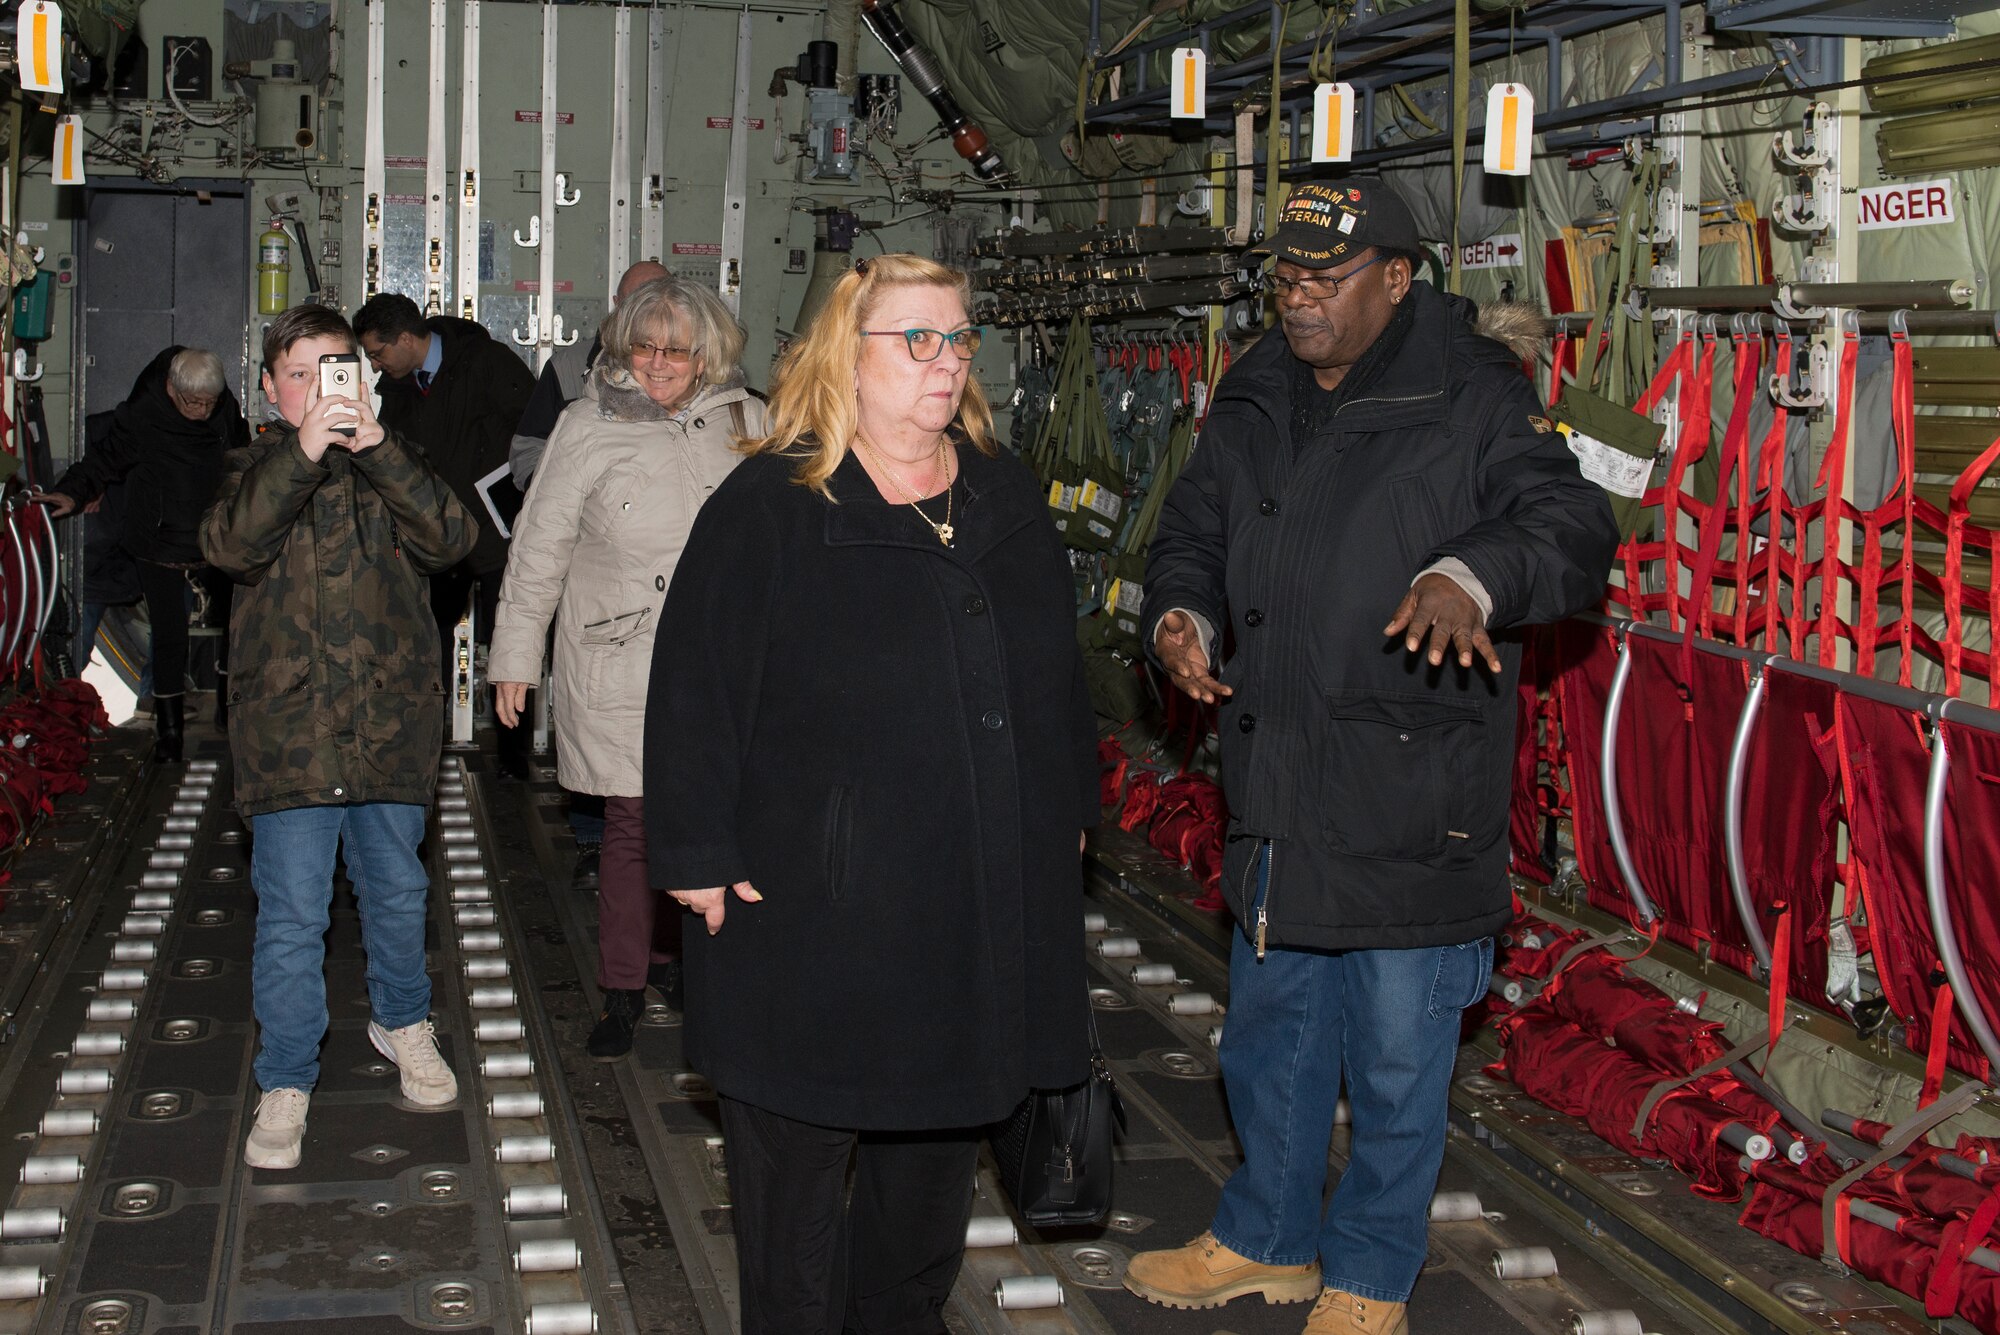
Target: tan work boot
(1338, 1313)
(1207, 1274)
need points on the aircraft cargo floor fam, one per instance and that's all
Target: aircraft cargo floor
(561, 1194)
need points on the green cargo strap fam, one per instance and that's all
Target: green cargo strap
(1461, 102)
(1903, 1135)
(1271, 181)
(1666, 1087)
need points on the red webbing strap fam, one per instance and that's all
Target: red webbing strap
(1954, 566)
(1843, 1230)
(1771, 481)
(1833, 1237)
(1903, 417)
(1897, 507)
(1780, 981)
(1960, 1237)
(1556, 368)
(1672, 369)
(1735, 450)
(1833, 478)
(1939, 1046)
(1697, 391)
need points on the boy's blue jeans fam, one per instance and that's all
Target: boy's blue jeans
(291, 868)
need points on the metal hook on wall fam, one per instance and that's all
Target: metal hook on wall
(534, 322)
(534, 236)
(565, 197)
(21, 371)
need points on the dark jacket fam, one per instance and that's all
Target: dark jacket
(891, 740)
(335, 686)
(172, 466)
(109, 576)
(1380, 784)
(466, 422)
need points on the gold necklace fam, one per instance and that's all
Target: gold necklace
(944, 531)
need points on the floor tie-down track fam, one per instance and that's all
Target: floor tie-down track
(558, 1194)
(130, 1095)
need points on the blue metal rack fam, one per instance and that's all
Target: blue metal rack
(1377, 51)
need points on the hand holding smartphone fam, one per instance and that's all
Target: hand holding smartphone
(340, 378)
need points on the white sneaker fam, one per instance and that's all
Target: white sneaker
(427, 1081)
(281, 1125)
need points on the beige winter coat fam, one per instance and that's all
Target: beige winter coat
(594, 549)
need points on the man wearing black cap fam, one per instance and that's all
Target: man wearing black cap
(1376, 500)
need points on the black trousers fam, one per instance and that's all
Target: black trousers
(815, 1259)
(451, 590)
(166, 591)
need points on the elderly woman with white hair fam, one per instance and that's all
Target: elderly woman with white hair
(615, 494)
(167, 441)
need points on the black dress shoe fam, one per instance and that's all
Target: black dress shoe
(664, 977)
(585, 875)
(612, 1038)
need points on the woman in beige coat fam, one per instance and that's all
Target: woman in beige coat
(628, 465)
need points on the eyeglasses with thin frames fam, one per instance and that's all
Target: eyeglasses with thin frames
(646, 352)
(925, 345)
(1317, 287)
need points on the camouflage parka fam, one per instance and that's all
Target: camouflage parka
(336, 685)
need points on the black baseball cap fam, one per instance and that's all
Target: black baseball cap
(1325, 223)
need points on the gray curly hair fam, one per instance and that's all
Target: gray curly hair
(680, 314)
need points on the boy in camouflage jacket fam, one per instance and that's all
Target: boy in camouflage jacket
(336, 711)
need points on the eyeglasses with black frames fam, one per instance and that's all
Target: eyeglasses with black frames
(1317, 287)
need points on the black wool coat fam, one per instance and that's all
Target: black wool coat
(466, 422)
(892, 741)
(172, 466)
(1378, 784)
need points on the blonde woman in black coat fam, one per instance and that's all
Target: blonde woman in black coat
(869, 761)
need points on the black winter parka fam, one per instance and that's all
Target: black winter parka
(172, 466)
(465, 424)
(892, 741)
(1378, 783)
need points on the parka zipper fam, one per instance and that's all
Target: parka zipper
(1396, 398)
(1264, 900)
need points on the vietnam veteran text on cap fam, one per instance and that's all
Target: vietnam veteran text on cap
(1325, 223)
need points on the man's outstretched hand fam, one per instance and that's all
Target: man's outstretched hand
(1178, 641)
(1438, 608)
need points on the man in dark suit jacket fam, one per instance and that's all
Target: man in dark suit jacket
(449, 388)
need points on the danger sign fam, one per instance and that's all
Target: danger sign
(729, 122)
(1498, 252)
(1912, 204)
(697, 248)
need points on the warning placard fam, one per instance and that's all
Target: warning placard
(563, 285)
(1910, 204)
(697, 248)
(729, 122)
(1497, 252)
(535, 117)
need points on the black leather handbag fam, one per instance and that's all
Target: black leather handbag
(1054, 1153)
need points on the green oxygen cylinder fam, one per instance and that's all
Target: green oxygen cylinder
(274, 270)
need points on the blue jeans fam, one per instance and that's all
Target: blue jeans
(291, 868)
(1298, 1021)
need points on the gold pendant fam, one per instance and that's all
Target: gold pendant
(944, 534)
